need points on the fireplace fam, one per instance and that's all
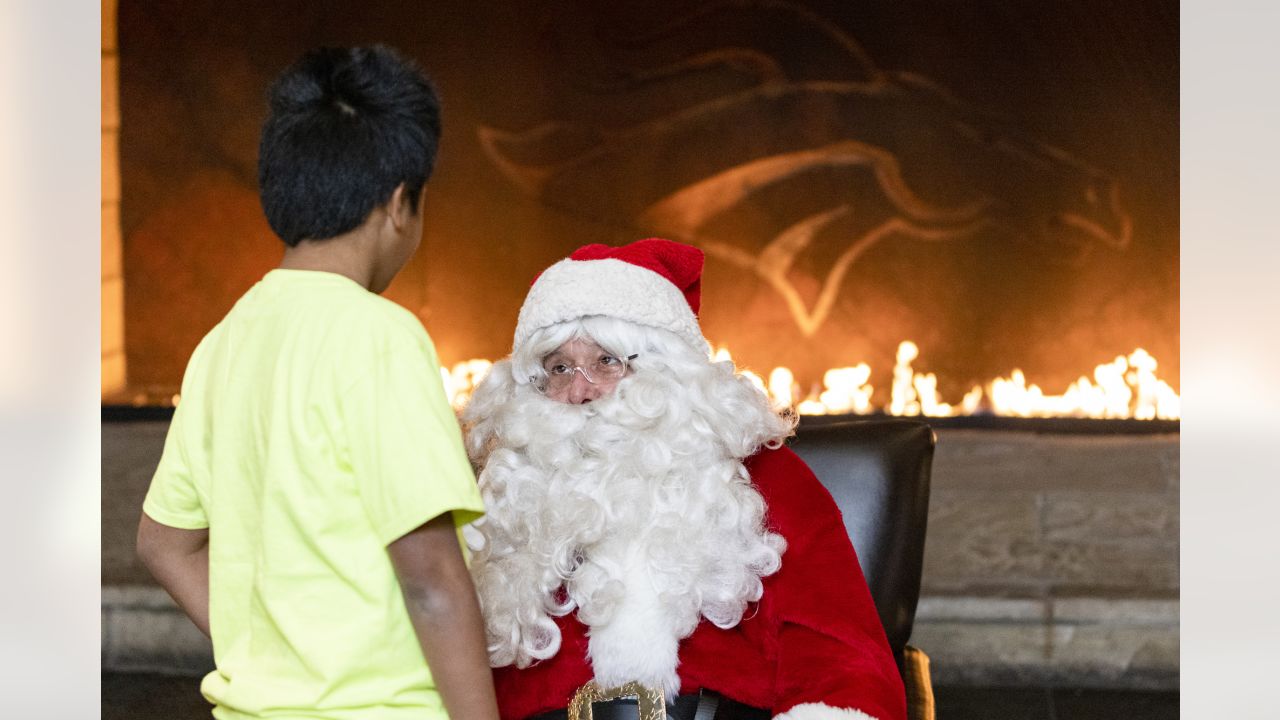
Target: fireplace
(971, 214)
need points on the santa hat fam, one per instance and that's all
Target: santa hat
(651, 282)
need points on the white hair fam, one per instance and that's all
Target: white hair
(648, 478)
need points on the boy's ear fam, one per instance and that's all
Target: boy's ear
(398, 208)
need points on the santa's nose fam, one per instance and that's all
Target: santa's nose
(581, 390)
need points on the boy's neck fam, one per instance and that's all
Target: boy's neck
(344, 255)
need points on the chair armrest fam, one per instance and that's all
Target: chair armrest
(919, 684)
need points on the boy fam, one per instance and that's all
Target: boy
(304, 513)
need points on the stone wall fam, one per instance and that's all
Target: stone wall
(1047, 515)
(1051, 560)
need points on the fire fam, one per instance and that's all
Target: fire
(460, 381)
(1126, 387)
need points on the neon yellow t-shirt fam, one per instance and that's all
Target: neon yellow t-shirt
(313, 431)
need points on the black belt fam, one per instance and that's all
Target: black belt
(705, 705)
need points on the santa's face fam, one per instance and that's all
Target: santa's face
(590, 483)
(580, 371)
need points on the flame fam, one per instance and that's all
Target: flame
(1126, 387)
(782, 387)
(847, 391)
(462, 379)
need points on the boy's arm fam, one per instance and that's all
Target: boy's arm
(446, 616)
(179, 560)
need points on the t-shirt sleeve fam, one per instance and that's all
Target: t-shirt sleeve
(406, 445)
(173, 498)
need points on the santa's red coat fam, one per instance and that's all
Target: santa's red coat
(813, 638)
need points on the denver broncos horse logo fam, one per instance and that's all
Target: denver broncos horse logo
(803, 155)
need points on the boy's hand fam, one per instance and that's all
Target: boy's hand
(446, 615)
(179, 560)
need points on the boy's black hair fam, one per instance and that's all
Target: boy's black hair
(346, 126)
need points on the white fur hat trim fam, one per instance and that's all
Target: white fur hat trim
(822, 711)
(572, 289)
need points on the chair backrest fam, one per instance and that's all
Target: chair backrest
(878, 473)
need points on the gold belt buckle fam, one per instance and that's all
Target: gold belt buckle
(653, 705)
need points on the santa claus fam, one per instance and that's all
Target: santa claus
(651, 547)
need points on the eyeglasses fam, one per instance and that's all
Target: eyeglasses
(606, 368)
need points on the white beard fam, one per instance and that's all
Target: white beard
(633, 509)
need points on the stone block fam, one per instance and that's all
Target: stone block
(137, 597)
(1171, 460)
(1148, 566)
(1086, 642)
(143, 630)
(1110, 516)
(1105, 655)
(941, 608)
(973, 459)
(1116, 612)
(991, 542)
(967, 653)
(130, 453)
(1104, 509)
(1152, 567)
(982, 538)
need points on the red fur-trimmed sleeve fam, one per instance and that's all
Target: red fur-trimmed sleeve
(833, 660)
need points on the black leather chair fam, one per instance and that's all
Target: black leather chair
(878, 472)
